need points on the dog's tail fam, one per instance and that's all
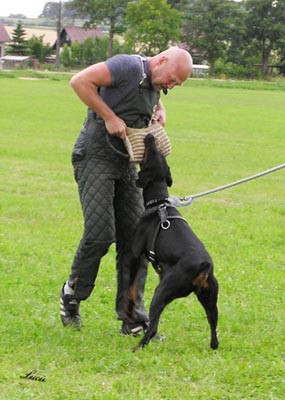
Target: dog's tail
(203, 274)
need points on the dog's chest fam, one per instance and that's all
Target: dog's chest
(167, 242)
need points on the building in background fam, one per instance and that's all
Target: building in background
(71, 34)
(4, 39)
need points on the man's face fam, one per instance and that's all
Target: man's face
(166, 75)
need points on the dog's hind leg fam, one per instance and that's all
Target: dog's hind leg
(208, 296)
(134, 310)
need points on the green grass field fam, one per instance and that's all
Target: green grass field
(220, 133)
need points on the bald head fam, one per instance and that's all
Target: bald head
(170, 68)
(181, 59)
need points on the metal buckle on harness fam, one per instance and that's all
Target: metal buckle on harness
(151, 256)
(142, 79)
(154, 262)
(165, 224)
(144, 75)
(162, 212)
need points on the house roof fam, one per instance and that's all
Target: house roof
(4, 36)
(75, 33)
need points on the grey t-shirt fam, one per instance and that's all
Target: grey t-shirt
(126, 97)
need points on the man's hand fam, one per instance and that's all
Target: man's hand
(160, 117)
(116, 126)
(160, 114)
(86, 84)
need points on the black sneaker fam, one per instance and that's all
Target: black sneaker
(69, 310)
(133, 328)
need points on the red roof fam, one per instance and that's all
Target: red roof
(75, 33)
(4, 36)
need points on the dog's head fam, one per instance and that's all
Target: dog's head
(154, 167)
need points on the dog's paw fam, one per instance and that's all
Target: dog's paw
(137, 346)
(214, 344)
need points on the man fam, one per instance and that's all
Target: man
(122, 91)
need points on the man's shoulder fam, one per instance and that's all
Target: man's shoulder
(122, 59)
(122, 66)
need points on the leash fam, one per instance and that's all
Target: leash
(186, 201)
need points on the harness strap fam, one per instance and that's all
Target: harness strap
(143, 76)
(128, 146)
(164, 224)
(151, 253)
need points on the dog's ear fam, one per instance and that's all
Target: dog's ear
(144, 179)
(168, 177)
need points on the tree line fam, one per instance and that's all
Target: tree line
(237, 38)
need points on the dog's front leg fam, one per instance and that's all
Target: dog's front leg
(163, 295)
(151, 329)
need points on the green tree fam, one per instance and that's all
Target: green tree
(92, 51)
(110, 13)
(18, 45)
(178, 4)
(210, 26)
(265, 28)
(101, 48)
(50, 10)
(89, 51)
(37, 48)
(152, 25)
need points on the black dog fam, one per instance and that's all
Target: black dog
(178, 256)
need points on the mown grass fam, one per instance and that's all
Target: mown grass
(218, 135)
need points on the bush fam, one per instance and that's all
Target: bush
(65, 56)
(226, 70)
(76, 55)
(37, 49)
(91, 51)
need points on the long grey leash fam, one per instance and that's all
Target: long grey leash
(186, 201)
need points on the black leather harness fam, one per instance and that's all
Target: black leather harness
(164, 224)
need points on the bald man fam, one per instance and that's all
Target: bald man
(123, 91)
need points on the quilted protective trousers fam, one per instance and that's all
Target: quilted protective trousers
(112, 206)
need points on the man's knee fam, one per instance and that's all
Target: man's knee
(85, 267)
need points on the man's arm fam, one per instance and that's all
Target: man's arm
(86, 83)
